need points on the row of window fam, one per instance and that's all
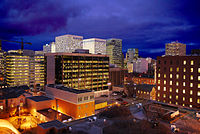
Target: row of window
(85, 98)
(177, 69)
(177, 62)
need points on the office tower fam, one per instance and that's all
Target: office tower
(2, 67)
(78, 70)
(178, 80)
(132, 54)
(68, 43)
(140, 65)
(195, 52)
(95, 46)
(175, 48)
(114, 51)
(25, 69)
(49, 48)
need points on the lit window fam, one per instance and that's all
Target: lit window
(191, 77)
(158, 75)
(177, 83)
(158, 81)
(184, 77)
(198, 101)
(138, 91)
(164, 101)
(191, 92)
(1, 107)
(164, 89)
(177, 97)
(164, 81)
(158, 95)
(198, 77)
(177, 69)
(190, 105)
(184, 69)
(170, 89)
(184, 62)
(176, 103)
(198, 85)
(177, 76)
(198, 93)
(183, 104)
(164, 75)
(164, 95)
(170, 82)
(191, 70)
(171, 69)
(190, 99)
(191, 84)
(158, 87)
(183, 98)
(170, 96)
(192, 62)
(144, 92)
(184, 84)
(199, 70)
(176, 90)
(184, 91)
(170, 75)
(170, 102)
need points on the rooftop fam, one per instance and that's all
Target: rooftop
(145, 87)
(12, 92)
(75, 54)
(76, 91)
(55, 123)
(39, 98)
(51, 114)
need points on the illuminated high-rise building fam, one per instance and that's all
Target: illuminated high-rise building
(132, 54)
(114, 51)
(78, 70)
(25, 69)
(2, 67)
(175, 49)
(49, 48)
(95, 46)
(68, 43)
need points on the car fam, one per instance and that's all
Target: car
(124, 103)
(104, 95)
(119, 99)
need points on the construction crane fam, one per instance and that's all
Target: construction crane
(22, 43)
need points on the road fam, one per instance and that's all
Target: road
(4, 130)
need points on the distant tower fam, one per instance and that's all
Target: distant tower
(175, 49)
(95, 46)
(131, 54)
(114, 50)
(68, 43)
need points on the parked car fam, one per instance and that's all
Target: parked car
(119, 99)
(124, 103)
(104, 95)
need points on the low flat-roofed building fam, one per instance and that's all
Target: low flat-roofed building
(73, 102)
(37, 103)
(43, 128)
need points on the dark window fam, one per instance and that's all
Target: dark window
(171, 62)
(177, 62)
(165, 62)
(158, 61)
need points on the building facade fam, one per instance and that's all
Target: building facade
(117, 76)
(132, 54)
(68, 43)
(95, 46)
(2, 67)
(49, 48)
(175, 48)
(77, 70)
(26, 69)
(178, 80)
(73, 102)
(114, 50)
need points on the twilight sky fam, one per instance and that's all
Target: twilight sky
(143, 24)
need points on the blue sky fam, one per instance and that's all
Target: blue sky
(143, 24)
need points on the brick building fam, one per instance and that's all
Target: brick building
(178, 80)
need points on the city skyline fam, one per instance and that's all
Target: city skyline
(145, 25)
